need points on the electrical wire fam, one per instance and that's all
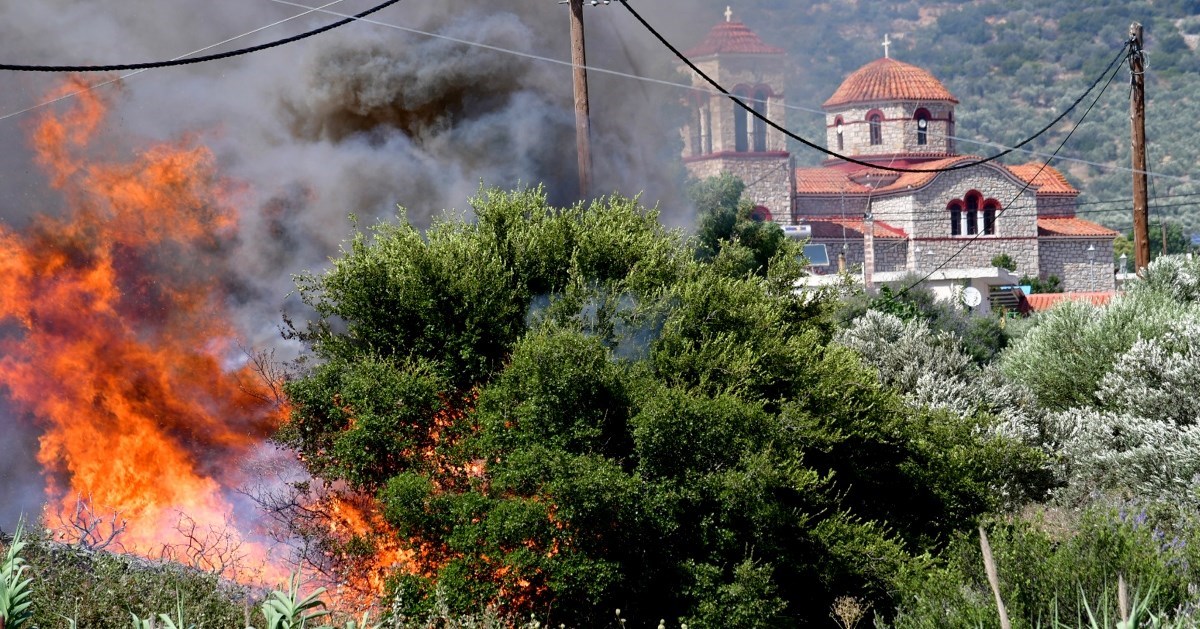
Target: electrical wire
(977, 235)
(190, 60)
(847, 158)
(188, 54)
(695, 88)
(594, 69)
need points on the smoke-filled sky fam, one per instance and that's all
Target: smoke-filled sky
(355, 121)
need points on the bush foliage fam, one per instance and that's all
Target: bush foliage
(567, 410)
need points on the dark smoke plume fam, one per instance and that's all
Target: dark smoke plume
(357, 121)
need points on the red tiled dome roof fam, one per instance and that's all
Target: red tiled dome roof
(888, 80)
(732, 38)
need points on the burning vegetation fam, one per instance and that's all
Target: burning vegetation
(117, 344)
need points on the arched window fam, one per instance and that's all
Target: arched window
(991, 207)
(839, 129)
(922, 119)
(955, 208)
(760, 127)
(740, 139)
(760, 213)
(972, 210)
(950, 132)
(875, 123)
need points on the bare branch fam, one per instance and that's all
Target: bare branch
(91, 531)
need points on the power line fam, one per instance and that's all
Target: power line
(972, 240)
(590, 68)
(810, 144)
(188, 54)
(190, 60)
(605, 71)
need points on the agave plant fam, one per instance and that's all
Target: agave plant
(286, 610)
(14, 586)
(164, 621)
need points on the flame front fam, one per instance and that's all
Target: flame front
(116, 338)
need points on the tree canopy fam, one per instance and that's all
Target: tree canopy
(564, 411)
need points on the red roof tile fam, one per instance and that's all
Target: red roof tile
(732, 38)
(1048, 179)
(889, 80)
(1045, 301)
(826, 181)
(837, 227)
(841, 180)
(1072, 227)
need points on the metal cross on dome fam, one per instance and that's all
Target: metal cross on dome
(886, 42)
(728, 13)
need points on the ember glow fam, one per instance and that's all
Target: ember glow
(116, 340)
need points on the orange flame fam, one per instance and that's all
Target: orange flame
(115, 333)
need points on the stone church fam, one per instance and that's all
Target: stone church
(882, 223)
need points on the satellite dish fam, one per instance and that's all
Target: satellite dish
(972, 297)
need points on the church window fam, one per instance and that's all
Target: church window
(991, 207)
(922, 119)
(972, 212)
(955, 217)
(760, 214)
(950, 132)
(740, 115)
(838, 128)
(875, 123)
(760, 127)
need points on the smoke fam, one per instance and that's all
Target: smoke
(361, 120)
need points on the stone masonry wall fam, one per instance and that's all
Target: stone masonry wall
(1055, 205)
(899, 130)
(890, 254)
(768, 180)
(1079, 269)
(850, 206)
(929, 221)
(978, 254)
(750, 71)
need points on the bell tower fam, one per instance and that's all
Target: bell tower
(722, 137)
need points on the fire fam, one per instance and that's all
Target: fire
(115, 335)
(364, 549)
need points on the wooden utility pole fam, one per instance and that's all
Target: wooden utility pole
(1137, 106)
(1164, 237)
(583, 126)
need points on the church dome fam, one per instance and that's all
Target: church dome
(732, 37)
(889, 80)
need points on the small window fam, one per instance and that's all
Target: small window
(991, 207)
(760, 127)
(955, 218)
(875, 122)
(740, 116)
(761, 214)
(922, 118)
(972, 214)
(839, 129)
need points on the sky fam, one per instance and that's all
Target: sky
(362, 120)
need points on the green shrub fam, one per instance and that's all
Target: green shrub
(97, 589)
(1053, 565)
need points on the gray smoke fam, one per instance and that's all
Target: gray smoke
(356, 121)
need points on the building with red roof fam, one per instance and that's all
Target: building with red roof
(887, 114)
